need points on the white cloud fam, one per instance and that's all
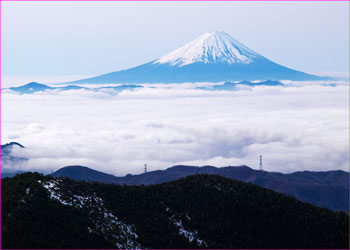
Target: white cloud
(303, 126)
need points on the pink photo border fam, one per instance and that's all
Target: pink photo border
(143, 1)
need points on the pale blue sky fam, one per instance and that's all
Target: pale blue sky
(90, 38)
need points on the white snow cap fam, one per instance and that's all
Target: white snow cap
(213, 47)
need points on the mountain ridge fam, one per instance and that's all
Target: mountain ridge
(328, 189)
(33, 87)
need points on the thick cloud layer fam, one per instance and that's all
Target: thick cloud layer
(299, 127)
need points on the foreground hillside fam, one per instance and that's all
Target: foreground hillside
(199, 211)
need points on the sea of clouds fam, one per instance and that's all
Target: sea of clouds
(300, 126)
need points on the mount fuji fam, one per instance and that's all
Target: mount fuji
(212, 57)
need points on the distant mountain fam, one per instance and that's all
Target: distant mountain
(70, 87)
(34, 87)
(262, 83)
(327, 189)
(81, 173)
(30, 88)
(7, 158)
(199, 211)
(5, 174)
(6, 148)
(232, 86)
(212, 57)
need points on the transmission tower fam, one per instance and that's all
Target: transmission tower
(261, 166)
(145, 167)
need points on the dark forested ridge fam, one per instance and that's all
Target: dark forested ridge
(199, 211)
(327, 189)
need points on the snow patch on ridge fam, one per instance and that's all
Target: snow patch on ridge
(103, 221)
(191, 236)
(214, 47)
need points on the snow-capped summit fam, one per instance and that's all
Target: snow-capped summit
(213, 47)
(212, 57)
